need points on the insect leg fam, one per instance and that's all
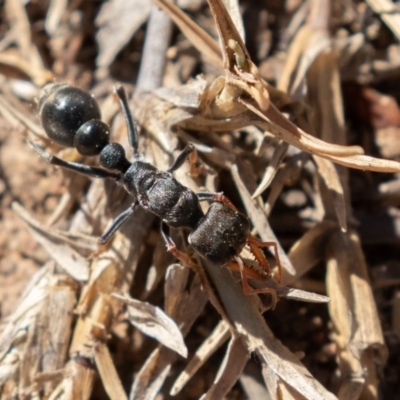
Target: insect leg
(117, 223)
(93, 172)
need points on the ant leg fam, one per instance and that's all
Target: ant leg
(93, 172)
(218, 197)
(117, 223)
(245, 273)
(255, 245)
(132, 132)
(182, 156)
(183, 257)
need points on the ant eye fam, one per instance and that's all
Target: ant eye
(91, 137)
(64, 109)
(113, 157)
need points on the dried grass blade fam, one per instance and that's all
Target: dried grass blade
(198, 37)
(306, 46)
(112, 37)
(176, 278)
(213, 342)
(272, 169)
(17, 114)
(47, 337)
(232, 6)
(15, 326)
(389, 14)
(17, 16)
(108, 374)
(79, 376)
(349, 156)
(260, 221)
(69, 259)
(153, 373)
(330, 176)
(55, 13)
(244, 314)
(227, 31)
(153, 322)
(353, 311)
(308, 251)
(276, 123)
(235, 360)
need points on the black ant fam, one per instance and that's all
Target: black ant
(71, 117)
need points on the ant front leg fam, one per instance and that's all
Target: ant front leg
(181, 158)
(92, 172)
(190, 153)
(245, 273)
(255, 245)
(117, 223)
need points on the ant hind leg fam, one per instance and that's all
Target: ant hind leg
(183, 257)
(255, 245)
(246, 272)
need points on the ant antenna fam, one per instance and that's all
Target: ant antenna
(132, 132)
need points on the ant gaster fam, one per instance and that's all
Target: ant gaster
(71, 117)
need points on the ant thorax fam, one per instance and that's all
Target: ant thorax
(161, 194)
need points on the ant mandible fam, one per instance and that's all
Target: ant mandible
(71, 117)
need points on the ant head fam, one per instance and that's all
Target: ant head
(71, 117)
(113, 157)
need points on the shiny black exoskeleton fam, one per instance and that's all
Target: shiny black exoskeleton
(71, 117)
(220, 234)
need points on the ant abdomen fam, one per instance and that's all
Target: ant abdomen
(71, 118)
(221, 234)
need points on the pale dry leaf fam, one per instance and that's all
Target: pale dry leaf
(305, 47)
(260, 221)
(12, 113)
(13, 65)
(213, 342)
(199, 38)
(154, 371)
(271, 382)
(326, 98)
(57, 8)
(153, 322)
(232, 6)
(68, 259)
(77, 383)
(186, 96)
(308, 251)
(353, 311)
(48, 337)
(109, 376)
(301, 295)
(243, 312)
(348, 156)
(235, 360)
(16, 14)
(289, 293)
(252, 385)
(330, 176)
(389, 14)
(272, 169)
(15, 326)
(117, 22)
(176, 278)
(152, 375)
